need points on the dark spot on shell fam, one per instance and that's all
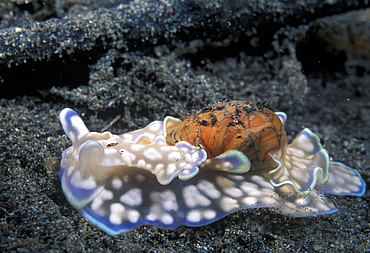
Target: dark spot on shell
(213, 121)
(231, 124)
(206, 109)
(248, 109)
(204, 123)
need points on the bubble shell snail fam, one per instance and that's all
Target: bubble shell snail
(236, 125)
(230, 156)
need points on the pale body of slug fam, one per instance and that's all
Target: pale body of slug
(171, 173)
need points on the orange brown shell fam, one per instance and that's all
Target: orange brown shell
(247, 127)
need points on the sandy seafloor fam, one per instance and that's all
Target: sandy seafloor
(143, 60)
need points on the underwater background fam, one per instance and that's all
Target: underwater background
(122, 64)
